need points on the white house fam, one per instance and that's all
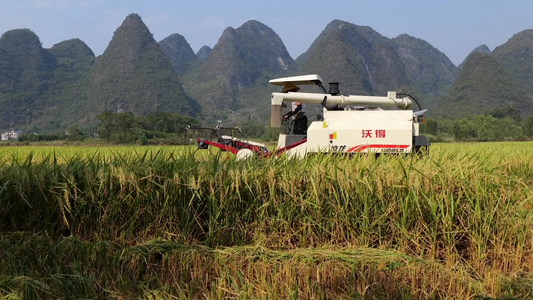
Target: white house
(10, 135)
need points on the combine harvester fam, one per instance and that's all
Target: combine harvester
(349, 124)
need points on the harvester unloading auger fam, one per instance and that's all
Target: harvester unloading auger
(349, 124)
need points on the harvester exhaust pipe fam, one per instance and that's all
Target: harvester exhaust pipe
(334, 88)
(333, 91)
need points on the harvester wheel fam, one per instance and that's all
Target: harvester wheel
(422, 151)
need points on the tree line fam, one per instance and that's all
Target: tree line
(168, 128)
(126, 128)
(498, 125)
(154, 128)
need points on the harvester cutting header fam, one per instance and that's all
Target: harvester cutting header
(349, 123)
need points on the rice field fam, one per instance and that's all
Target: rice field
(166, 223)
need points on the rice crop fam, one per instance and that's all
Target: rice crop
(162, 223)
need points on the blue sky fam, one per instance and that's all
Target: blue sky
(455, 27)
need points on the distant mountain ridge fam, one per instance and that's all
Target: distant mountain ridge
(362, 60)
(134, 74)
(74, 60)
(516, 57)
(245, 54)
(365, 62)
(51, 89)
(65, 85)
(26, 72)
(482, 86)
(180, 53)
(429, 71)
(203, 53)
(245, 57)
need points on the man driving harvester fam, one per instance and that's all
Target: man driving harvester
(297, 113)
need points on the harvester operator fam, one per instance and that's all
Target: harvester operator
(297, 113)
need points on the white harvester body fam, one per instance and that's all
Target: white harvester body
(352, 124)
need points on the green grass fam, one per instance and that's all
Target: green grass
(155, 222)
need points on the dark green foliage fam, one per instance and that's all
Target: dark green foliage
(507, 111)
(527, 126)
(159, 127)
(117, 127)
(497, 126)
(33, 137)
(73, 134)
(487, 128)
(166, 122)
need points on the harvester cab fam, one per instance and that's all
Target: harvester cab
(350, 123)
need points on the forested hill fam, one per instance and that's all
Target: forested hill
(134, 74)
(26, 74)
(482, 86)
(51, 89)
(361, 59)
(516, 58)
(232, 83)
